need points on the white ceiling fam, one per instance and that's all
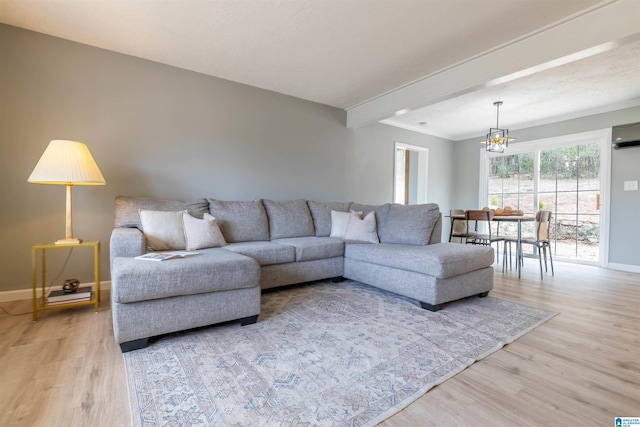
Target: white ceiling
(605, 82)
(345, 53)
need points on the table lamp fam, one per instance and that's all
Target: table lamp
(67, 163)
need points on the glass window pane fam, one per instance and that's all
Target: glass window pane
(495, 201)
(547, 202)
(589, 202)
(547, 184)
(588, 236)
(567, 202)
(565, 248)
(527, 204)
(528, 229)
(511, 199)
(507, 229)
(495, 185)
(565, 226)
(548, 173)
(526, 172)
(588, 167)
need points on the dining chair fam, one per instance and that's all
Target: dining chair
(458, 224)
(474, 221)
(540, 240)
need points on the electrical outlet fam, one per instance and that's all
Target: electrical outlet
(631, 186)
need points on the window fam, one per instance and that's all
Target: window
(567, 176)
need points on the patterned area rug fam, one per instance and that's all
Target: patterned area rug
(321, 354)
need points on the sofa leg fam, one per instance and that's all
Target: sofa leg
(431, 307)
(248, 320)
(337, 279)
(484, 294)
(133, 345)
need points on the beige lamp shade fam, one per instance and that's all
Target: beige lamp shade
(67, 162)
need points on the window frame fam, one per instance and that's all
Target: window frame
(601, 137)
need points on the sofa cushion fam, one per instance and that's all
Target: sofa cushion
(362, 229)
(439, 260)
(240, 221)
(265, 252)
(289, 218)
(365, 209)
(201, 233)
(213, 270)
(126, 209)
(321, 214)
(310, 248)
(407, 224)
(162, 230)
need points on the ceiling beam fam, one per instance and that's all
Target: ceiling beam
(594, 31)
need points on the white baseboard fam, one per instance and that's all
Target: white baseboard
(624, 267)
(21, 294)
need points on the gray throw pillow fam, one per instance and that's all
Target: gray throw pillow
(240, 221)
(409, 225)
(289, 218)
(321, 213)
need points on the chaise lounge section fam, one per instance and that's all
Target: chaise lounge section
(154, 298)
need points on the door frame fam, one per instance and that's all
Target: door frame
(423, 172)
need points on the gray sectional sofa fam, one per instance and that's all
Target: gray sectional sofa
(277, 243)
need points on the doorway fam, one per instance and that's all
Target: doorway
(410, 174)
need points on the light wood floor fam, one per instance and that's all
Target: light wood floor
(580, 368)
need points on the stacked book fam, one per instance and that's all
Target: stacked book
(61, 297)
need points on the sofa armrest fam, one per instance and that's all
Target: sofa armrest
(436, 234)
(126, 242)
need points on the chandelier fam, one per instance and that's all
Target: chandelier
(497, 139)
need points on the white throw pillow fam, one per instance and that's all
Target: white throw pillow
(362, 229)
(202, 233)
(339, 222)
(162, 230)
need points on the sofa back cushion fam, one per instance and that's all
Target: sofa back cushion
(321, 214)
(407, 224)
(240, 221)
(127, 208)
(365, 209)
(289, 218)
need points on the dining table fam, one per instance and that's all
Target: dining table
(519, 219)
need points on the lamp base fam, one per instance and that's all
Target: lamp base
(72, 241)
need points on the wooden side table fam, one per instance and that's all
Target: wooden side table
(40, 304)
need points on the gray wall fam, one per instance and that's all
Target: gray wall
(161, 131)
(624, 247)
(624, 237)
